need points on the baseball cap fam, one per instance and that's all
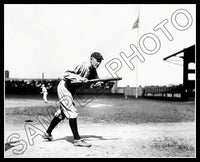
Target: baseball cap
(97, 56)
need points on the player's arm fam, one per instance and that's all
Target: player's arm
(94, 83)
(74, 77)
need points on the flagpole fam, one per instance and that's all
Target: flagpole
(136, 90)
(136, 93)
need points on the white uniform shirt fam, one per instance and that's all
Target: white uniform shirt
(83, 70)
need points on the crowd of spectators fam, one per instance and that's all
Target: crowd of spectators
(29, 86)
(17, 86)
(23, 86)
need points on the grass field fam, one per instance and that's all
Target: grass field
(109, 109)
(162, 128)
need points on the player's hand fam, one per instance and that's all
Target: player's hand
(84, 80)
(98, 84)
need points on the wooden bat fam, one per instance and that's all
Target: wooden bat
(97, 80)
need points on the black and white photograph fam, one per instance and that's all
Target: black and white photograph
(99, 80)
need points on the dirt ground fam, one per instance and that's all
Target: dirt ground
(106, 123)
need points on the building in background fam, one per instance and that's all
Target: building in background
(189, 77)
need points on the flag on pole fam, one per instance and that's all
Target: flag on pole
(136, 24)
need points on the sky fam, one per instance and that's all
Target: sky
(53, 38)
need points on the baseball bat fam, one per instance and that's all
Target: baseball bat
(97, 80)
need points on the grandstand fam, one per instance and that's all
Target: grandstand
(185, 91)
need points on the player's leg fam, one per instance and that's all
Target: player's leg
(74, 128)
(45, 98)
(77, 139)
(70, 111)
(68, 108)
(59, 115)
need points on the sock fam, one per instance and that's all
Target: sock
(53, 124)
(74, 128)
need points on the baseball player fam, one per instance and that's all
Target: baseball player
(66, 92)
(44, 92)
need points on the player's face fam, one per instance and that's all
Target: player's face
(95, 62)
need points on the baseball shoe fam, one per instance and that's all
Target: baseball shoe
(81, 143)
(47, 136)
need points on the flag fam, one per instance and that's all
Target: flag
(136, 24)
